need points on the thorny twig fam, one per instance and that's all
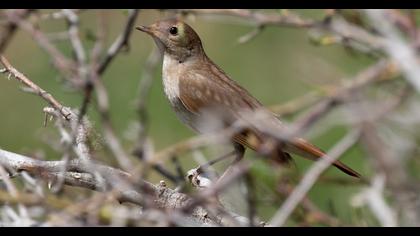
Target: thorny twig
(64, 111)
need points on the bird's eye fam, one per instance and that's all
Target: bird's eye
(173, 30)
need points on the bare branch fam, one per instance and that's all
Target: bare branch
(120, 42)
(288, 19)
(10, 28)
(81, 176)
(110, 136)
(311, 176)
(373, 197)
(73, 32)
(64, 111)
(403, 54)
(312, 212)
(78, 50)
(145, 85)
(62, 63)
(380, 71)
(343, 29)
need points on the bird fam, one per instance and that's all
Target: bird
(202, 94)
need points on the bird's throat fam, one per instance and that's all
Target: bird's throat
(171, 73)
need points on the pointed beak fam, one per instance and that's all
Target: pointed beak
(154, 32)
(145, 29)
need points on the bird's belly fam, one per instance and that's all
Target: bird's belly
(204, 122)
(188, 118)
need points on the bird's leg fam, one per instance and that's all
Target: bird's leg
(240, 151)
(203, 170)
(214, 161)
(239, 154)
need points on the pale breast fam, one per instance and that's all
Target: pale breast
(171, 73)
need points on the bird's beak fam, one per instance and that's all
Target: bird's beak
(154, 32)
(145, 29)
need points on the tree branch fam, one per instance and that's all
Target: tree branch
(80, 175)
(311, 176)
(64, 111)
(120, 42)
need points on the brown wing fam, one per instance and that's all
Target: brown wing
(209, 87)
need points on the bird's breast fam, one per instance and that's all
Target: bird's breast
(172, 71)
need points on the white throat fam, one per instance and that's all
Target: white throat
(171, 72)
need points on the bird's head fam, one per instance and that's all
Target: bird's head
(175, 38)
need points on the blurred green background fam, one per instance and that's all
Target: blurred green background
(277, 66)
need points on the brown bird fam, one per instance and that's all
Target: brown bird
(204, 97)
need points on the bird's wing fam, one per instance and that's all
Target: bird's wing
(210, 87)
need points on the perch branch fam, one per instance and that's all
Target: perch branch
(79, 175)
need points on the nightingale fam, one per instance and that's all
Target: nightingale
(201, 94)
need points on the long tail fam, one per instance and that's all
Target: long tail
(305, 149)
(299, 146)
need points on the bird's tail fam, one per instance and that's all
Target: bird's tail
(281, 155)
(305, 149)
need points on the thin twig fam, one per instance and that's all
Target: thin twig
(64, 111)
(10, 29)
(251, 198)
(102, 97)
(380, 71)
(311, 176)
(373, 197)
(290, 19)
(145, 85)
(79, 51)
(120, 42)
(396, 47)
(311, 210)
(62, 63)
(110, 136)
(343, 29)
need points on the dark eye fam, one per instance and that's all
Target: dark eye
(173, 30)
